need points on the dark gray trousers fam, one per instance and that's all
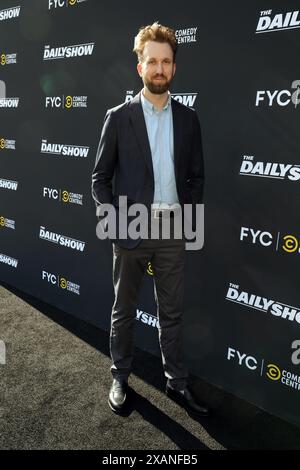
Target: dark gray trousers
(167, 260)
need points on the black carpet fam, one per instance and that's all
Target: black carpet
(56, 379)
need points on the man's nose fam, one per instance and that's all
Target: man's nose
(159, 67)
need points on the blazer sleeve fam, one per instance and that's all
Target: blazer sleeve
(196, 176)
(106, 160)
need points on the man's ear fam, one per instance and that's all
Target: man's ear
(174, 68)
(139, 69)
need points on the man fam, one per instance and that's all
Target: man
(151, 146)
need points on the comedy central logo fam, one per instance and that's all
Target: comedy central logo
(265, 369)
(63, 195)
(61, 282)
(7, 223)
(280, 171)
(186, 35)
(273, 372)
(285, 377)
(7, 144)
(8, 59)
(53, 4)
(65, 102)
(150, 268)
(287, 242)
(68, 52)
(279, 97)
(291, 244)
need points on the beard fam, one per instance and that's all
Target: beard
(157, 87)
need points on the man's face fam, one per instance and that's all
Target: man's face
(157, 68)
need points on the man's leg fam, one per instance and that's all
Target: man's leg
(128, 270)
(168, 268)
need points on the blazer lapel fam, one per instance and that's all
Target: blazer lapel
(177, 133)
(139, 125)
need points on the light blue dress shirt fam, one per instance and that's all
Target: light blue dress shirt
(159, 125)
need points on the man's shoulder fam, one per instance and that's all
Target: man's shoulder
(183, 108)
(119, 109)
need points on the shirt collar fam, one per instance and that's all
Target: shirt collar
(149, 107)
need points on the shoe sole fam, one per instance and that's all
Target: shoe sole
(117, 410)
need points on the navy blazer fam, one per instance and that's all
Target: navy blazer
(123, 165)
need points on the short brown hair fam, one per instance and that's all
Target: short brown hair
(154, 32)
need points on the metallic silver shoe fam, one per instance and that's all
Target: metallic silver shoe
(118, 395)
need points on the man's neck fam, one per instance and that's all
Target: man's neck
(159, 101)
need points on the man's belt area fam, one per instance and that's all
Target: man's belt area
(165, 213)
